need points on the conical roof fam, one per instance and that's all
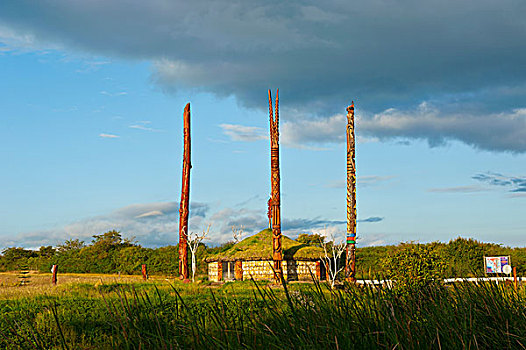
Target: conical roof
(259, 247)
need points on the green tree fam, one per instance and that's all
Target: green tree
(101, 254)
(46, 252)
(111, 238)
(13, 258)
(70, 245)
(130, 259)
(15, 253)
(164, 260)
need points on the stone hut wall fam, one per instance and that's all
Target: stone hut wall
(258, 269)
(261, 270)
(213, 271)
(299, 270)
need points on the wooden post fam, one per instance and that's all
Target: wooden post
(275, 201)
(54, 270)
(219, 271)
(185, 198)
(350, 264)
(515, 277)
(144, 272)
(238, 270)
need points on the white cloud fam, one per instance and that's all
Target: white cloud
(4, 49)
(15, 40)
(150, 214)
(113, 94)
(222, 221)
(371, 240)
(89, 66)
(361, 181)
(319, 131)
(243, 133)
(152, 224)
(143, 125)
(337, 184)
(459, 189)
(157, 224)
(299, 133)
(371, 180)
(108, 136)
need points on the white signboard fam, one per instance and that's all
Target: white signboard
(497, 264)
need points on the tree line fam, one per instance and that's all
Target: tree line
(111, 253)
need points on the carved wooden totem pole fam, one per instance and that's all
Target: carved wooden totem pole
(275, 202)
(350, 265)
(185, 198)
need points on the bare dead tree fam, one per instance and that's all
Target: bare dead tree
(331, 261)
(194, 239)
(237, 233)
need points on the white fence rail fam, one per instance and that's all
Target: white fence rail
(520, 280)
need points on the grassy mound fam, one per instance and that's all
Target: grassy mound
(259, 247)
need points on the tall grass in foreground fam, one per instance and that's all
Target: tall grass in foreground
(484, 316)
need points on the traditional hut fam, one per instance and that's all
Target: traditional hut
(252, 257)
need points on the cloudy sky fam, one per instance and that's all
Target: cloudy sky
(92, 94)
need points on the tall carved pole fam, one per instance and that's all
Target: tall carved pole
(185, 198)
(275, 202)
(350, 266)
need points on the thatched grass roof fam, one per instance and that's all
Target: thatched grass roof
(259, 247)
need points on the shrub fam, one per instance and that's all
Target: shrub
(414, 267)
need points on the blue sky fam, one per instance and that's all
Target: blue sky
(92, 96)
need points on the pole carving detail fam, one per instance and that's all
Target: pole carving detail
(275, 201)
(351, 197)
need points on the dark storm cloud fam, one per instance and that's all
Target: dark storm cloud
(465, 57)
(503, 131)
(515, 184)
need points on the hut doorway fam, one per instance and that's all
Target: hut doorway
(228, 270)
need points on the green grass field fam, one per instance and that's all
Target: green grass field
(124, 312)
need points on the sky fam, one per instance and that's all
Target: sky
(92, 96)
